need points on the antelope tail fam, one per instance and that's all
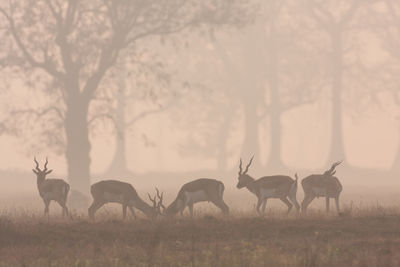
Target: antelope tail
(221, 189)
(66, 190)
(293, 188)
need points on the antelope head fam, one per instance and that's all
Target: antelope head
(332, 170)
(157, 201)
(41, 174)
(244, 178)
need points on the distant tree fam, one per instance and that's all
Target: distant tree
(264, 70)
(70, 47)
(383, 78)
(272, 74)
(138, 97)
(335, 19)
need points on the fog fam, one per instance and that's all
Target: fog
(161, 93)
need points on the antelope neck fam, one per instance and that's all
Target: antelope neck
(144, 207)
(250, 185)
(40, 180)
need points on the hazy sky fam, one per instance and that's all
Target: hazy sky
(371, 134)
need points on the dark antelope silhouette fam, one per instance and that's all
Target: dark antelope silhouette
(199, 190)
(112, 191)
(51, 189)
(322, 185)
(277, 186)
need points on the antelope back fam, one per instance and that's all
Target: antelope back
(322, 183)
(280, 184)
(54, 189)
(204, 189)
(109, 188)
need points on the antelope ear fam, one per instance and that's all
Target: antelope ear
(49, 172)
(34, 171)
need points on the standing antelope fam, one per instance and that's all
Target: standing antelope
(199, 190)
(112, 191)
(321, 185)
(277, 186)
(51, 189)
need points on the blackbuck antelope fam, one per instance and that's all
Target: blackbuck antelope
(277, 186)
(112, 191)
(199, 190)
(51, 189)
(322, 185)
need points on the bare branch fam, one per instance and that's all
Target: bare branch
(56, 14)
(147, 113)
(45, 65)
(355, 4)
(109, 55)
(325, 23)
(40, 113)
(102, 116)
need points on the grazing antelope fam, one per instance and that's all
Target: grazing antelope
(199, 190)
(277, 186)
(51, 189)
(112, 191)
(322, 185)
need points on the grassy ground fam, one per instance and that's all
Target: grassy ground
(369, 237)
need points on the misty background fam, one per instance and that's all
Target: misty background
(158, 93)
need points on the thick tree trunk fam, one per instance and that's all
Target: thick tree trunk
(337, 144)
(78, 144)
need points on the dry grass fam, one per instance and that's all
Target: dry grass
(360, 237)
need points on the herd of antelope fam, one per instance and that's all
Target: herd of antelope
(200, 190)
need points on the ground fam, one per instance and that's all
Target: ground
(369, 237)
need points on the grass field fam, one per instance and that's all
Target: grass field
(361, 237)
(368, 233)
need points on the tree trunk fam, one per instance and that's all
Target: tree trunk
(119, 163)
(337, 144)
(396, 162)
(251, 142)
(223, 139)
(275, 158)
(78, 144)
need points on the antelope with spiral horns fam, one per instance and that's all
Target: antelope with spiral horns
(277, 186)
(113, 191)
(199, 190)
(51, 189)
(322, 185)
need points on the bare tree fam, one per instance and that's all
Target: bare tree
(273, 65)
(75, 43)
(153, 89)
(335, 19)
(384, 21)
